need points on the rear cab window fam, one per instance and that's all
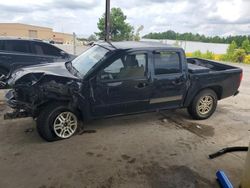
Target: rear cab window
(167, 62)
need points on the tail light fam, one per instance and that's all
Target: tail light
(241, 77)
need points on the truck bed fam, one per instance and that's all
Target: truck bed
(197, 65)
(222, 78)
(193, 68)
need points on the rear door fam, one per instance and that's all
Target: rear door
(122, 86)
(169, 80)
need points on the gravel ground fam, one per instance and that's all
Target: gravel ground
(165, 149)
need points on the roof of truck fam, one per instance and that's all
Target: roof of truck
(136, 45)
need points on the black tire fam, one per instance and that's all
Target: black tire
(47, 117)
(200, 113)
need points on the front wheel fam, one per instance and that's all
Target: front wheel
(203, 104)
(56, 122)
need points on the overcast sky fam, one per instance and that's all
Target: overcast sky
(209, 17)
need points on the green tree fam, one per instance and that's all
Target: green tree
(230, 50)
(239, 55)
(197, 54)
(197, 37)
(208, 55)
(119, 28)
(246, 45)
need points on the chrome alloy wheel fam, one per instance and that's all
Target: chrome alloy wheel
(205, 105)
(65, 124)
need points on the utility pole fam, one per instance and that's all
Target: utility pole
(74, 43)
(107, 21)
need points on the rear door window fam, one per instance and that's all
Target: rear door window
(37, 48)
(47, 49)
(167, 62)
(17, 46)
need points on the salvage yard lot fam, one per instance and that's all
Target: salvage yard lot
(165, 149)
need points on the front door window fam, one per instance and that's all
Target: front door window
(128, 66)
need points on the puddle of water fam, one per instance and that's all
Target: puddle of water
(201, 130)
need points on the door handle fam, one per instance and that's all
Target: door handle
(141, 85)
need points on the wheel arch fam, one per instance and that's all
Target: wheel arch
(67, 103)
(217, 89)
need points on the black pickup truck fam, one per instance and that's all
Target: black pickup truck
(119, 78)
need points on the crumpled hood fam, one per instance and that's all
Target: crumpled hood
(54, 69)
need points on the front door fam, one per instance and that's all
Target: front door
(169, 80)
(122, 86)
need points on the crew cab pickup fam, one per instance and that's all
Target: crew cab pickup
(119, 78)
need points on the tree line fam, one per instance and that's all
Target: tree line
(172, 35)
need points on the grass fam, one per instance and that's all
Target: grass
(217, 57)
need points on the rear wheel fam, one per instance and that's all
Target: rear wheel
(56, 122)
(203, 105)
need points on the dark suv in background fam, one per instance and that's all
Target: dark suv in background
(16, 53)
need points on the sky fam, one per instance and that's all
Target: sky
(209, 17)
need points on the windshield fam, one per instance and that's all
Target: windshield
(88, 59)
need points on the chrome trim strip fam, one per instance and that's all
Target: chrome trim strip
(165, 99)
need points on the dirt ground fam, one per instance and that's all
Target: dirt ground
(161, 150)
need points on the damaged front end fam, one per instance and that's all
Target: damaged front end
(20, 109)
(32, 91)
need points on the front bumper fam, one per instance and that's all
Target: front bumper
(12, 102)
(10, 99)
(3, 84)
(20, 109)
